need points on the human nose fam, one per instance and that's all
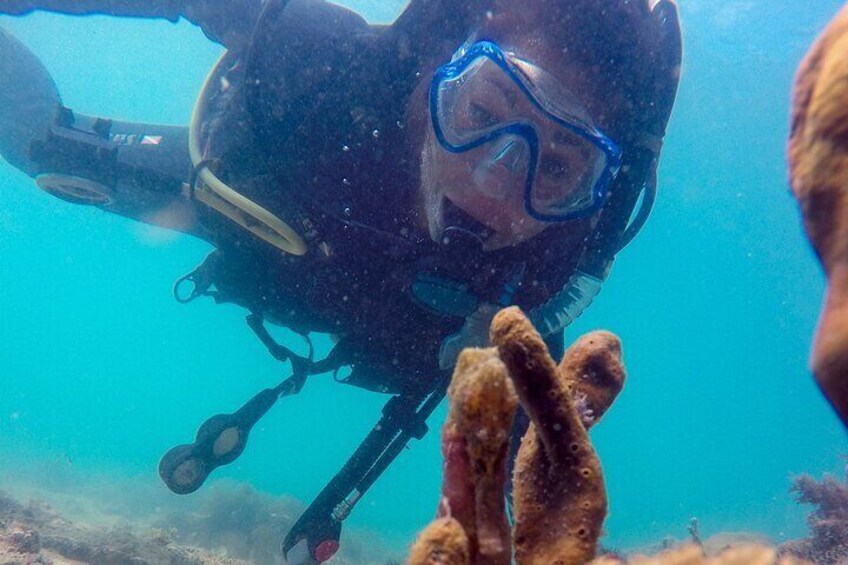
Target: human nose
(510, 155)
(500, 172)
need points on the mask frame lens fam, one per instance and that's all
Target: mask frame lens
(573, 124)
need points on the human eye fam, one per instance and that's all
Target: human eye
(553, 169)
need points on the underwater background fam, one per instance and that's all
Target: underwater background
(102, 371)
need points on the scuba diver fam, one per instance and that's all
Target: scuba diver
(392, 186)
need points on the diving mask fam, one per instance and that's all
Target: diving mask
(527, 126)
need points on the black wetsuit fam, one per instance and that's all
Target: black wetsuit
(327, 107)
(314, 130)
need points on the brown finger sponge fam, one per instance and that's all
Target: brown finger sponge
(593, 370)
(482, 406)
(559, 495)
(443, 542)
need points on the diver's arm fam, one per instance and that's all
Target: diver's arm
(228, 22)
(131, 169)
(167, 9)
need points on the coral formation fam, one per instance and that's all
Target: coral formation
(559, 496)
(828, 540)
(693, 554)
(560, 499)
(818, 167)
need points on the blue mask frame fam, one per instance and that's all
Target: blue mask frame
(524, 130)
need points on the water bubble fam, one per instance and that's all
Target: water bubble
(375, 134)
(345, 148)
(345, 182)
(347, 211)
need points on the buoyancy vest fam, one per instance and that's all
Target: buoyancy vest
(320, 142)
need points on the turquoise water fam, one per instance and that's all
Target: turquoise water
(715, 302)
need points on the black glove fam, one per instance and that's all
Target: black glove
(29, 102)
(167, 9)
(228, 22)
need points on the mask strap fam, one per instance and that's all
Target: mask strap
(649, 196)
(653, 144)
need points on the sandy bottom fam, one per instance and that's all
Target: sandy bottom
(64, 517)
(229, 524)
(36, 533)
(235, 526)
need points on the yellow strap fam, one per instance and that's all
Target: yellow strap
(213, 192)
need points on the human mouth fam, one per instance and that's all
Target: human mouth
(455, 218)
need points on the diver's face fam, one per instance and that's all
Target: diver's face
(489, 192)
(488, 183)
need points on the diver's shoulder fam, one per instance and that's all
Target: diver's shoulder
(322, 17)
